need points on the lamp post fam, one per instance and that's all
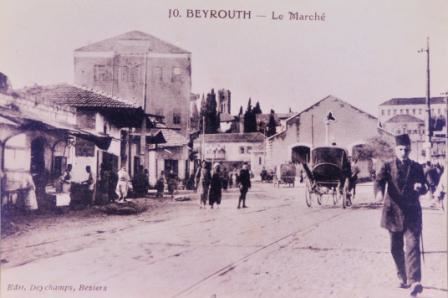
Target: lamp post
(428, 144)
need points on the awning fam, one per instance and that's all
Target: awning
(26, 123)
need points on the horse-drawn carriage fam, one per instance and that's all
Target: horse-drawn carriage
(328, 175)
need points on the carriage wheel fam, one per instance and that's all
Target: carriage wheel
(308, 195)
(319, 199)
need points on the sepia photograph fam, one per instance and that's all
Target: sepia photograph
(218, 149)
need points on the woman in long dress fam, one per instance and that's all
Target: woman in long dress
(203, 178)
(215, 187)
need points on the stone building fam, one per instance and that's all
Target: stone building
(142, 69)
(149, 73)
(233, 149)
(307, 129)
(408, 115)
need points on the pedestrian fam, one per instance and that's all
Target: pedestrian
(66, 179)
(244, 185)
(401, 182)
(90, 186)
(441, 190)
(353, 180)
(432, 178)
(171, 180)
(215, 186)
(160, 185)
(225, 178)
(28, 192)
(203, 181)
(123, 185)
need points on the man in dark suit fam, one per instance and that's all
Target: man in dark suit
(244, 183)
(401, 182)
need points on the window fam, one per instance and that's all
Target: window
(407, 111)
(242, 150)
(401, 111)
(176, 74)
(125, 74)
(100, 73)
(413, 111)
(395, 112)
(259, 160)
(419, 111)
(249, 149)
(158, 74)
(382, 112)
(176, 118)
(388, 112)
(134, 74)
(439, 111)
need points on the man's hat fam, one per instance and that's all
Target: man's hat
(402, 140)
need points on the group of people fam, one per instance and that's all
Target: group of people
(210, 183)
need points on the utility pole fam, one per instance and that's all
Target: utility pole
(203, 139)
(143, 147)
(428, 143)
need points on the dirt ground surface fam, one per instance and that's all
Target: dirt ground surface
(278, 247)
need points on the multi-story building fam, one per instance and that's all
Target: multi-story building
(149, 73)
(408, 115)
(233, 149)
(141, 69)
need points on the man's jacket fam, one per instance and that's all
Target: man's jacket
(401, 202)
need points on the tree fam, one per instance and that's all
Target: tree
(257, 109)
(250, 119)
(209, 113)
(378, 148)
(272, 125)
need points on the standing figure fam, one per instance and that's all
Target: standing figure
(124, 181)
(401, 182)
(28, 190)
(172, 183)
(160, 185)
(66, 179)
(244, 184)
(225, 178)
(203, 180)
(90, 184)
(215, 186)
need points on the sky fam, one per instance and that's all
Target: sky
(365, 52)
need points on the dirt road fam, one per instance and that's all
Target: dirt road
(277, 247)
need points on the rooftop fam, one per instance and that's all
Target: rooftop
(135, 42)
(251, 137)
(412, 101)
(70, 95)
(404, 118)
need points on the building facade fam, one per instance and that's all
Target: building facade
(308, 129)
(142, 69)
(233, 149)
(409, 115)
